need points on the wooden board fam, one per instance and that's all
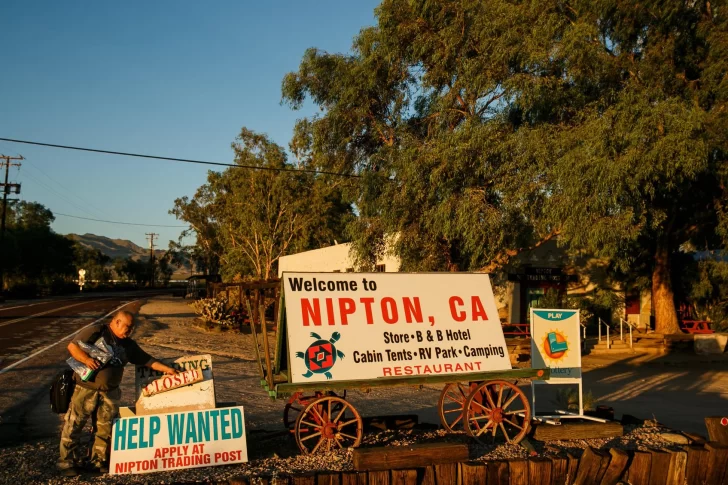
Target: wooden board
(577, 431)
(573, 468)
(660, 467)
(592, 466)
(696, 464)
(518, 470)
(717, 432)
(617, 466)
(413, 456)
(539, 471)
(498, 473)
(328, 479)
(717, 462)
(639, 469)
(678, 462)
(559, 470)
(354, 478)
(446, 474)
(404, 477)
(473, 473)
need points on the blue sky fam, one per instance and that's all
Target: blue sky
(170, 78)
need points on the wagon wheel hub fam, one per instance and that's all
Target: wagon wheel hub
(497, 415)
(329, 430)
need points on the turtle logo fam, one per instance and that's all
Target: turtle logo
(321, 355)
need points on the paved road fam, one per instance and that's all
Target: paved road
(33, 339)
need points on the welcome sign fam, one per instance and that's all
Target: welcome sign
(172, 441)
(555, 342)
(344, 326)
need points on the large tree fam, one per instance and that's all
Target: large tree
(485, 128)
(249, 216)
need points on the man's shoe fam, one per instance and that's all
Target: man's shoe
(98, 469)
(69, 472)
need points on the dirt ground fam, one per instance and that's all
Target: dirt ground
(677, 390)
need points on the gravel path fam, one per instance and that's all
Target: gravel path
(166, 329)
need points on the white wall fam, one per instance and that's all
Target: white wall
(332, 258)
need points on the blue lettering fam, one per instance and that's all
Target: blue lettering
(237, 418)
(154, 426)
(214, 415)
(120, 435)
(203, 426)
(142, 443)
(132, 433)
(191, 434)
(175, 425)
(224, 423)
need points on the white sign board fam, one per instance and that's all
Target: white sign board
(200, 395)
(173, 441)
(344, 326)
(555, 342)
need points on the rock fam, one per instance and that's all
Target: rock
(710, 343)
(675, 438)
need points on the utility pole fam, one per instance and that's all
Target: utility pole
(6, 188)
(151, 236)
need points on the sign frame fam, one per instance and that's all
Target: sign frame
(558, 343)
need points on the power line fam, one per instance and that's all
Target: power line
(63, 197)
(114, 222)
(185, 160)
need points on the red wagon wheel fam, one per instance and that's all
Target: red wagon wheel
(498, 407)
(451, 404)
(296, 403)
(326, 424)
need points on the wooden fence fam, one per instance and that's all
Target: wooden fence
(695, 464)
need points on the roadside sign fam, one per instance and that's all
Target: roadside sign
(174, 441)
(345, 326)
(555, 342)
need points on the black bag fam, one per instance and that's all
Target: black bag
(62, 390)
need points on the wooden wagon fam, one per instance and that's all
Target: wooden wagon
(485, 404)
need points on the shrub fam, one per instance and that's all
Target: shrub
(218, 311)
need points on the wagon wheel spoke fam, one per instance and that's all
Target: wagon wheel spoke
(457, 420)
(336, 419)
(336, 440)
(490, 398)
(329, 416)
(348, 436)
(310, 424)
(505, 433)
(323, 421)
(448, 411)
(487, 409)
(481, 417)
(321, 440)
(311, 436)
(509, 401)
(516, 412)
(512, 423)
(454, 399)
(500, 395)
(484, 428)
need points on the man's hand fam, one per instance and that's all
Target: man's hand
(159, 367)
(92, 363)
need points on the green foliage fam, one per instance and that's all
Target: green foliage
(34, 255)
(599, 302)
(568, 400)
(217, 311)
(93, 261)
(482, 129)
(704, 287)
(247, 219)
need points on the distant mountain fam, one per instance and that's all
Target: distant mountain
(115, 248)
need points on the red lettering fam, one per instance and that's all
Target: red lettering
(389, 315)
(368, 309)
(119, 468)
(346, 308)
(398, 371)
(330, 311)
(478, 364)
(311, 313)
(412, 309)
(158, 453)
(177, 379)
(387, 371)
(469, 366)
(478, 310)
(164, 382)
(448, 367)
(457, 316)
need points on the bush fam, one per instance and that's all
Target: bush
(218, 311)
(23, 290)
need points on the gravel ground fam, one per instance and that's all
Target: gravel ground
(166, 329)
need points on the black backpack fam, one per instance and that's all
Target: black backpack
(62, 390)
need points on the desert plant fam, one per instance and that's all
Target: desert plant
(568, 400)
(217, 311)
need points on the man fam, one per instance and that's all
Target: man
(99, 396)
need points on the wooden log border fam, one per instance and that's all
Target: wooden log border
(696, 463)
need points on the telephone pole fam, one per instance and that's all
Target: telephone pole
(7, 188)
(151, 236)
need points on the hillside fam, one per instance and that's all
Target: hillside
(114, 248)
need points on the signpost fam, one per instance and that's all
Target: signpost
(369, 326)
(81, 278)
(556, 344)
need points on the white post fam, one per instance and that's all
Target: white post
(621, 336)
(630, 336)
(599, 321)
(609, 344)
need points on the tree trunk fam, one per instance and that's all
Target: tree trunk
(663, 300)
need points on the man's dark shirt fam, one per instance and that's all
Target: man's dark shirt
(125, 350)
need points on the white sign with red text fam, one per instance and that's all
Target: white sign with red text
(353, 326)
(173, 441)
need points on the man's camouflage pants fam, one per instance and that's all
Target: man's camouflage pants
(104, 407)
